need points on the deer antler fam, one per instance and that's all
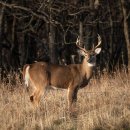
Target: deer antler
(99, 41)
(78, 41)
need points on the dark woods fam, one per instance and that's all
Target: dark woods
(46, 30)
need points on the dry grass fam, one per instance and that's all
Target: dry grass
(102, 105)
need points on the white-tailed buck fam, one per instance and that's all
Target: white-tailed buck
(40, 75)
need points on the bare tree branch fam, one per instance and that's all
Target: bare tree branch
(13, 6)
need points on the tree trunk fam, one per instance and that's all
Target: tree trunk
(52, 44)
(91, 4)
(1, 35)
(110, 62)
(1, 32)
(81, 33)
(126, 31)
(14, 47)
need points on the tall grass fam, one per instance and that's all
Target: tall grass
(103, 105)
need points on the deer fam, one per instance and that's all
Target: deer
(40, 75)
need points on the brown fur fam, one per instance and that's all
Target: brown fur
(71, 77)
(68, 77)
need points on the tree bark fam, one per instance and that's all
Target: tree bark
(52, 44)
(1, 36)
(126, 31)
(1, 32)
(15, 47)
(81, 33)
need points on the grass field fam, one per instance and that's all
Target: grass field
(103, 105)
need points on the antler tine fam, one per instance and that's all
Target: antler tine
(79, 46)
(77, 41)
(99, 41)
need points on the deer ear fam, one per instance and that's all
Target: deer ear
(97, 50)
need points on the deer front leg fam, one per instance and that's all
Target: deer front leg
(72, 98)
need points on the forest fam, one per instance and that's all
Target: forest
(47, 30)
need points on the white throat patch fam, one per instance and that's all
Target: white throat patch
(91, 65)
(27, 76)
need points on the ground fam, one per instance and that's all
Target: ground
(103, 105)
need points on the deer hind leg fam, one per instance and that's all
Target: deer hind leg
(72, 98)
(38, 92)
(38, 95)
(33, 98)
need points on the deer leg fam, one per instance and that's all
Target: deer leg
(40, 93)
(72, 98)
(33, 98)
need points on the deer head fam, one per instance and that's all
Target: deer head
(90, 56)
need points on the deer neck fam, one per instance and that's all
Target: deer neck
(87, 69)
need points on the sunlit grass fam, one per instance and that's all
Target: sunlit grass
(103, 105)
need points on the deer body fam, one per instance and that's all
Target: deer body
(40, 75)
